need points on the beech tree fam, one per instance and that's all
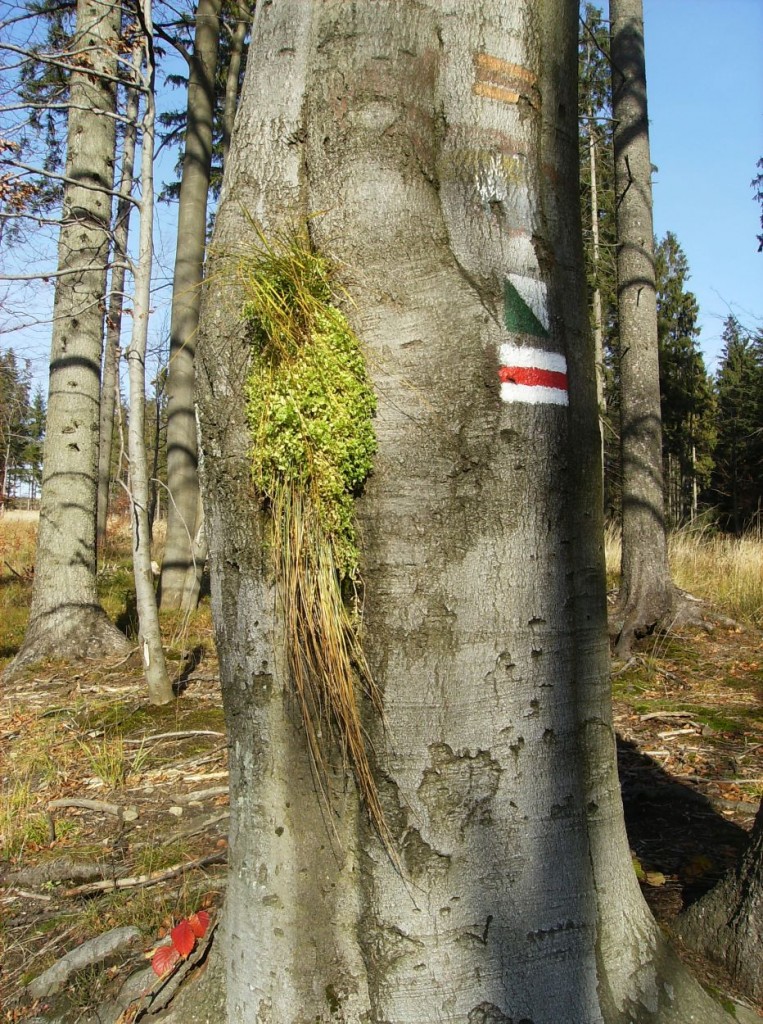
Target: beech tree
(647, 594)
(727, 923)
(66, 619)
(180, 566)
(426, 151)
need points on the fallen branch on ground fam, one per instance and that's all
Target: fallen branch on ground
(142, 881)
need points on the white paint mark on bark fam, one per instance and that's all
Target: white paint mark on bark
(533, 376)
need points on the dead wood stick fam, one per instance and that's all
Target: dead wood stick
(202, 826)
(88, 805)
(31, 895)
(725, 782)
(183, 735)
(142, 881)
(201, 794)
(666, 714)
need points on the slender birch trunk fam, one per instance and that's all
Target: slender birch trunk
(598, 331)
(110, 377)
(149, 635)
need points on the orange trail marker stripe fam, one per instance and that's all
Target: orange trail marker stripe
(500, 80)
(495, 92)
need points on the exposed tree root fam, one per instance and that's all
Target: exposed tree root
(193, 994)
(632, 620)
(88, 635)
(726, 925)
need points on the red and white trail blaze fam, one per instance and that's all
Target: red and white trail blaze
(533, 376)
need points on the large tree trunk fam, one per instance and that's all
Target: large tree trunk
(646, 590)
(438, 142)
(66, 619)
(182, 454)
(727, 923)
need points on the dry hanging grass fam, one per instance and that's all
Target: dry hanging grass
(310, 405)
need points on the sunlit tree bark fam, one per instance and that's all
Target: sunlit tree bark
(149, 635)
(432, 148)
(646, 589)
(66, 619)
(184, 519)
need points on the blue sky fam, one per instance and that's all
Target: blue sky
(705, 93)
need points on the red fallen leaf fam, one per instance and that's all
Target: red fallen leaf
(183, 938)
(164, 959)
(199, 922)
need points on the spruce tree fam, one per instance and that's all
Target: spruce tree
(685, 391)
(737, 484)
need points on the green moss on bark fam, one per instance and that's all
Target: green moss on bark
(310, 406)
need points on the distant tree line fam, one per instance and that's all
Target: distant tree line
(712, 424)
(22, 428)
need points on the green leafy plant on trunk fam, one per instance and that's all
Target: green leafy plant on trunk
(310, 407)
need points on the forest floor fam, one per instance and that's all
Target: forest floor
(114, 813)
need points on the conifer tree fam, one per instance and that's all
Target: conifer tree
(737, 479)
(686, 395)
(15, 422)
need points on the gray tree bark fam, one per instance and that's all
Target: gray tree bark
(438, 141)
(66, 619)
(727, 924)
(110, 376)
(646, 590)
(239, 34)
(598, 332)
(182, 448)
(149, 634)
